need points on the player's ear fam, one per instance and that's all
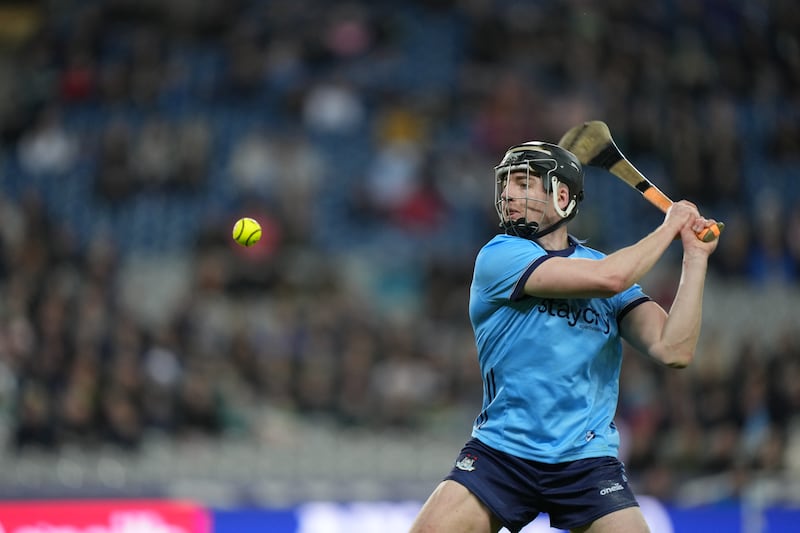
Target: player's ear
(563, 196)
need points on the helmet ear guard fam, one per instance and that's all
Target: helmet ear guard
(573, 202)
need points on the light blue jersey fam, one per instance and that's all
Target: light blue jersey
(550, 366)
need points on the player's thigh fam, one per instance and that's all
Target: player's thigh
(628, 520)
(453, 508)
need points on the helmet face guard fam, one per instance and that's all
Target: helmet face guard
(554, 165)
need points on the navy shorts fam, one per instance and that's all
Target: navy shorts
(516, 490)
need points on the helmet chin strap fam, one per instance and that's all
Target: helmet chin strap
(549, 229)
(529, 230)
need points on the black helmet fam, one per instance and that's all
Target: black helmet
(554, 165)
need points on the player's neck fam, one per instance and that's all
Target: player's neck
(557, 240)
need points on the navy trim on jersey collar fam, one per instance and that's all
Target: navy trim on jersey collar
(572, 243)
(519, 288)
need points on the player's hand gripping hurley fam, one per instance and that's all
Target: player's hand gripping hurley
(592, 144)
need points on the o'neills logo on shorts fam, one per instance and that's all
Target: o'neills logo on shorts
(613, 488)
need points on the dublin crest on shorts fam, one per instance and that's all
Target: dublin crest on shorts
(467, 463)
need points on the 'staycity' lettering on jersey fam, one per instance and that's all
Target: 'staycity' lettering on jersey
(576, 316)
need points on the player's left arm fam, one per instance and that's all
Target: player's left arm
(671, 337)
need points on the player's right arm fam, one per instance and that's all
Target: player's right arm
(671, 338)
(563, 277)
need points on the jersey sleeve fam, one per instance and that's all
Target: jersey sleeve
(628, 299)
(502, 267)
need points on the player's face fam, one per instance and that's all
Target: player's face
(523, 196)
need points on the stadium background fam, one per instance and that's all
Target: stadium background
(144, 355)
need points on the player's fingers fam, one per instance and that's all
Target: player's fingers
(685, 206)
(682, 203)
(683, 213)
(699, 224)
(702, 223)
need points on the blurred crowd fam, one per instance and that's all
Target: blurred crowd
(362, 136)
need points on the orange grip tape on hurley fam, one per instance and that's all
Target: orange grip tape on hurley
(660, 200)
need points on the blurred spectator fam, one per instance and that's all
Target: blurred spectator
(333, 106)
(770, 260)
(508, 115)
(405, 384)
(115, 180)
(784, 141)
(146, 69)
(78, 79)
(252, 164)
(355, 401)
(35, 425)
(302, 172)
(48, 148)
(77, 404)
(245, 61)
(120, 420)
(392, 177)
(733, 253)
(154, 154)
(194, 145)
(162, 372)
(199, 408)
(793, 234)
